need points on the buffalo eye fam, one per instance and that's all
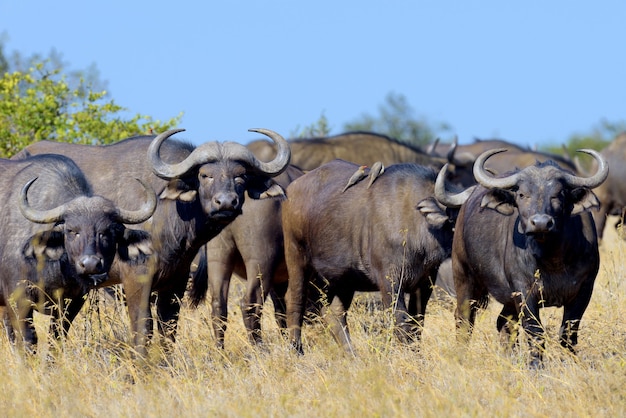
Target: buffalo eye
(556, 201)
(240, 181)
(72, 234)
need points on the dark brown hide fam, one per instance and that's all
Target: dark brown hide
(252, 248)
(198, 197)
(364, 148)
(390, 237)
(66, 246)
(528, 240)
(612, 193)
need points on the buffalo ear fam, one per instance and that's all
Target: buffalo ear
(434, 212)
(500, 200)
(48, 244)
(134, 245)
(584, 199)
(177, 189)
(263, 188)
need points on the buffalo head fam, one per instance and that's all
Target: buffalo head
(218, 174)
(544, 194)
(90, 227)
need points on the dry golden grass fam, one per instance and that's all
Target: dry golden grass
(92, 374)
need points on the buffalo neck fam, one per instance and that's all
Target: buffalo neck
(179, 230)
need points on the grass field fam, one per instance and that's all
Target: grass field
(92, 375)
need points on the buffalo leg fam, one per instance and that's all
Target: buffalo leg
(470, 297)
(393, 297)
(335, 314)
(168, 311)
(259, 280)
(467, 305)
(277, 294)
(298, 272)
(20, 315)
(417, 310)
(137, 291)
(507, 325)
(572, 314)
(531, 323)
(219, 285)
(8, 325)
(63, 315)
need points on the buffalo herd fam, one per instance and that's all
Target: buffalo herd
(308, 223)
(200, 191)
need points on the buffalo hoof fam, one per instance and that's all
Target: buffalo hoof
(535, 364)
(297, 347)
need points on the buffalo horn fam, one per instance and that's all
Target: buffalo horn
(443, 196)
(485, 179)
(161, 168)
(270, 168)
(432, 147)
(596, 179)
(39, 216)
(143, 213)
(452, 150)
(214, 151)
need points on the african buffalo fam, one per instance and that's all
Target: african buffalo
(526, 238)
(516, 157)
(59, 240)
(201, 190)
(251, 247)
(612, 193)
(469, 152)
(365, 148)
(390, 237)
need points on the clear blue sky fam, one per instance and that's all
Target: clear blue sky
(532, 72)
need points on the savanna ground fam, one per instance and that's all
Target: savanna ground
(93, 375)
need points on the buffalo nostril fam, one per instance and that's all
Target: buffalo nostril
(225, 202)
(542, 223)
(90, 264)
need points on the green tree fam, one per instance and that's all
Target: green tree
(4, 63)
(315, 130)
(45, 101)
(397, 119)
(51, 62)
(599, 137)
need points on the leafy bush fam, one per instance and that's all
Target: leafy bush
(41, 104)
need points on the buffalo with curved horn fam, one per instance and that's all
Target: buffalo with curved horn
(59, 241)
(251, 248)
(58, 213)
(201, 190)
(526, 238)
